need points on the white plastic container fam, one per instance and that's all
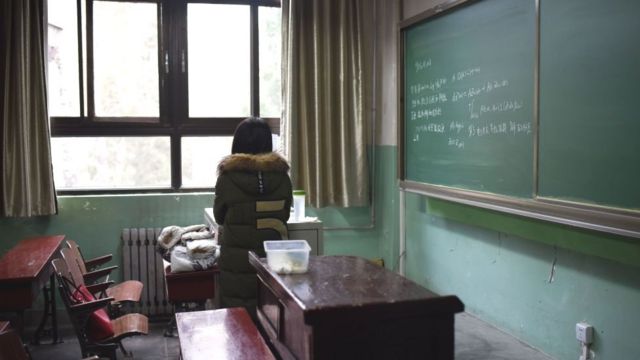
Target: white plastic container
(298, 205)
(287, 256)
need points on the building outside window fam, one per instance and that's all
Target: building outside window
(145, 95)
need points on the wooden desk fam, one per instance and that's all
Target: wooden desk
(191, 286)
(188, 287)
(24, 270)
(220, 334)
(348, 308)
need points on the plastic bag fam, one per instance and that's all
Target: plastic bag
(181, 261)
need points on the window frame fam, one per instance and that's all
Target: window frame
(173, 120)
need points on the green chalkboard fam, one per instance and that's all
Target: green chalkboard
(468, 98)
(525, 106)
(589, 101)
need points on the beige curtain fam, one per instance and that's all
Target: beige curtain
(324, 127)
(26, 185)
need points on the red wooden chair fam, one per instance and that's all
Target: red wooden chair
(127, 291)
(89, 268)
(80, 314)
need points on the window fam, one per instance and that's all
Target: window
(270, 51)
(218, 83)
(145, 95)
(125, 59)
(200, 156)
(111, 162)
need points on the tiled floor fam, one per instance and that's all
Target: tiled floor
(475, 340)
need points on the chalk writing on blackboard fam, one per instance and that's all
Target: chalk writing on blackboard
(476, 111)
(471, 92)
(422, 64)
(433, 85)
(429, 100)
(464, 73)
(431, 108)
(426, 113)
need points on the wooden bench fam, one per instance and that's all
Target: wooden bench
(220, 334)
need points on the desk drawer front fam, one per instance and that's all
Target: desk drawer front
(283, 323)
(271, 308)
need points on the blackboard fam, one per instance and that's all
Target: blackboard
(589, 102)
(469, 82)
(525, 106)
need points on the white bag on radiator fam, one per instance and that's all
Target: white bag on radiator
(201, 249)
(181, 261)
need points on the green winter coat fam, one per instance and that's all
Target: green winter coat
(252, 203)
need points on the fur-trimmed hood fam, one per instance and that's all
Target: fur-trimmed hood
(249, 162)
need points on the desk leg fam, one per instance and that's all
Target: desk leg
(54, 311)
(49, 310)
(171, 329)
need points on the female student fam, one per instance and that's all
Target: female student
(252, 203)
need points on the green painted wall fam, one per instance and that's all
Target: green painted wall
(353, 233)
(533, 279)
(95, 222)
(533, 290)
(386, 202)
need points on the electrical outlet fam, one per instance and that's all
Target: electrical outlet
(584, 333)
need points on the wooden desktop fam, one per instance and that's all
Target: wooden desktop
(346, 307)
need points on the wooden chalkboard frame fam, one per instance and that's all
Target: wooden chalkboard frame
(611, 220)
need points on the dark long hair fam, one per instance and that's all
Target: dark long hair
(252, 136)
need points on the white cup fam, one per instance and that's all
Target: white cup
(298, 205)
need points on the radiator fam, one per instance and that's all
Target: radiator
(142, 262)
